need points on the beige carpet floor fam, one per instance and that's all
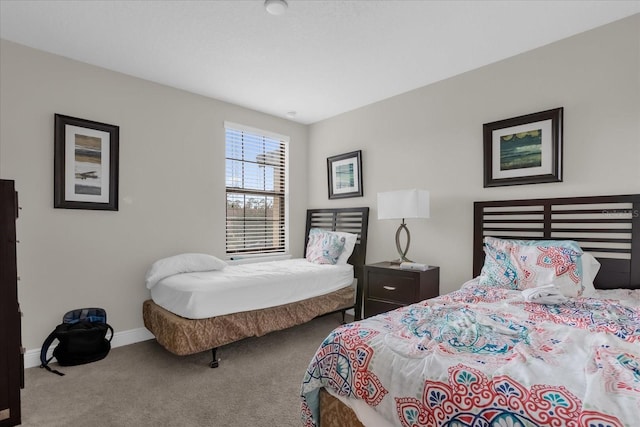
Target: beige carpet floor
(257, 384)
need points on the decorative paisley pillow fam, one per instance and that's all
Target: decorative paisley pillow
(524, 264)
(324, 247)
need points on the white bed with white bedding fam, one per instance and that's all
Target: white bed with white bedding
(245, 287)
(199, 302)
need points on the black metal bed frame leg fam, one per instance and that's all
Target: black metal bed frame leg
(214, 361)
(343, 320)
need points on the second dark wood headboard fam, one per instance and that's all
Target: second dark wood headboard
(607, 226)
(349, 220)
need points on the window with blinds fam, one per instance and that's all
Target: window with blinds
(256, 183)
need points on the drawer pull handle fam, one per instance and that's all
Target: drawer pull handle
(390, 288)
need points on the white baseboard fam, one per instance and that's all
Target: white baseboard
(132, 336)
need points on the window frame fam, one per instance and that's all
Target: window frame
(284, 144)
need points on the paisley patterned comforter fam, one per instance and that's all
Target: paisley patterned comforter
(482, 356)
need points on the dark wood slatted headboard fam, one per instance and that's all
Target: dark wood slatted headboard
(606, 226)
(348, 220)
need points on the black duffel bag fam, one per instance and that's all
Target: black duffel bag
(82, 339)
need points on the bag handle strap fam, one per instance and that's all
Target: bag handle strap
(111, 329)
(44, 362)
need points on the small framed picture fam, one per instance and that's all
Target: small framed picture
(85, 164)
(345, 175)
(523, 150)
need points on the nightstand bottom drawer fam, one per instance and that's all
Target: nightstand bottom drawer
(373, 307)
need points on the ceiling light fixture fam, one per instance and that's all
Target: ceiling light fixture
(276, 7)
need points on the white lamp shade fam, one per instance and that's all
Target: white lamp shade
(403, 204)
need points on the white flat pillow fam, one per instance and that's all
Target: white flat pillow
(590, 267)
(349, 245)
(183, 263)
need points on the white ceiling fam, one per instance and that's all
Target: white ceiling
(319, 59)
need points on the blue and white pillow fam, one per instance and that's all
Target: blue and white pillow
(324, 247)
(525, 264)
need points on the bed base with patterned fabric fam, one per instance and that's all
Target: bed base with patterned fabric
(182, 336)
(334, 413)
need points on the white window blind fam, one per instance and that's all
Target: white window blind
(256, 183)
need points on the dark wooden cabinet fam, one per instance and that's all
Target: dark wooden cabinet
(387, 287)
(11, 357)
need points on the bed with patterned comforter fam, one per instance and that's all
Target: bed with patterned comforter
(483, 356)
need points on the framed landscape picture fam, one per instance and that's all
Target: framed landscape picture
(345, 175)
(523, 150)
(85, 164)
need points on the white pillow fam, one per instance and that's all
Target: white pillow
(590, 267)
(349, 245)
(183, 263)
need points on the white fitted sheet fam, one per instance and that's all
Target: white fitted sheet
(245, 287)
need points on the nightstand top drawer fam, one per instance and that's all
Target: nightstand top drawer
(396, 267)
(392, 287)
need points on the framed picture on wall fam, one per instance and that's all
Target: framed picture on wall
(523, 150)
(345, 175)
(85, 164)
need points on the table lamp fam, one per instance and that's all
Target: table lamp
(403, 204)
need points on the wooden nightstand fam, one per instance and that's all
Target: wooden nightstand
(387, 287)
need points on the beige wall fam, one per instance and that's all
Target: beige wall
(431, 138)
(172, 163)
(171, 184)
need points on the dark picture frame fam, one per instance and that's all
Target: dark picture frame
(345, 175)
(523, 150)
(85, 164)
